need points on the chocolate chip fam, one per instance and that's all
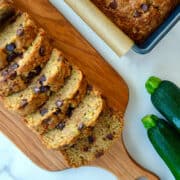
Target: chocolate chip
(4, 72)
(37, 70)
(69, 111)
(30, 77)
(36, 89)
(113, 4)
(80, 126)
(60, 126)
(42, 79)
(110, 136)
(59, 103)
(10, 47)
(44, 89)
(43, 111)
(99, 154)
(24, 103)
(137, 13)
(20, 31)
(13, 75)
(91, 139)
(58, 111)
(42, 51)
(19, 54)
(145, 7)
(13, 66)
(11, 56)
(33, 73)
(85, 149)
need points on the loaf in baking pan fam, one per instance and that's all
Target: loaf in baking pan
(94, 145)
(138, 19)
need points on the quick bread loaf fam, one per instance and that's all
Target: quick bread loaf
(52, 95)
(137, 18)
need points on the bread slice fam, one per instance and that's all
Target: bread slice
(16, 37)
(19, 74)
(6, 11)
(82, 118)
(56, 107)
(50, 80)
(87, 148)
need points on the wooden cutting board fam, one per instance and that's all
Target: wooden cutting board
(98, 72)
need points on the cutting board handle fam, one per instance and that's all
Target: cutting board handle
(117, 40)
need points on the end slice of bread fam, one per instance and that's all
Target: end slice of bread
(87, 148)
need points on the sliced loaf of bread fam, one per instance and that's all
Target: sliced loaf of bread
(87, 148)
(6, 11)
(83, 117)
(56, 107)
(19, 73)
(16, 37)
(50, 80)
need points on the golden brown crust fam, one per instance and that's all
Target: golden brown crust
(89, 147)
(28, 100)
(83, 118)
(20, 73)
(58, 104)
(6, 10)
(56, 119)
(138, 19)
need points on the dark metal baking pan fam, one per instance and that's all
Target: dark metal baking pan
(156, 36)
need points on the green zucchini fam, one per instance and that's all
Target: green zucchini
(165, 96)
(166, 142)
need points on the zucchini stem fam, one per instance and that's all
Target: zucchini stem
(152, 84)
(150, 121)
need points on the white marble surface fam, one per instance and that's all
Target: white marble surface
(163, 61)
(14, 165)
